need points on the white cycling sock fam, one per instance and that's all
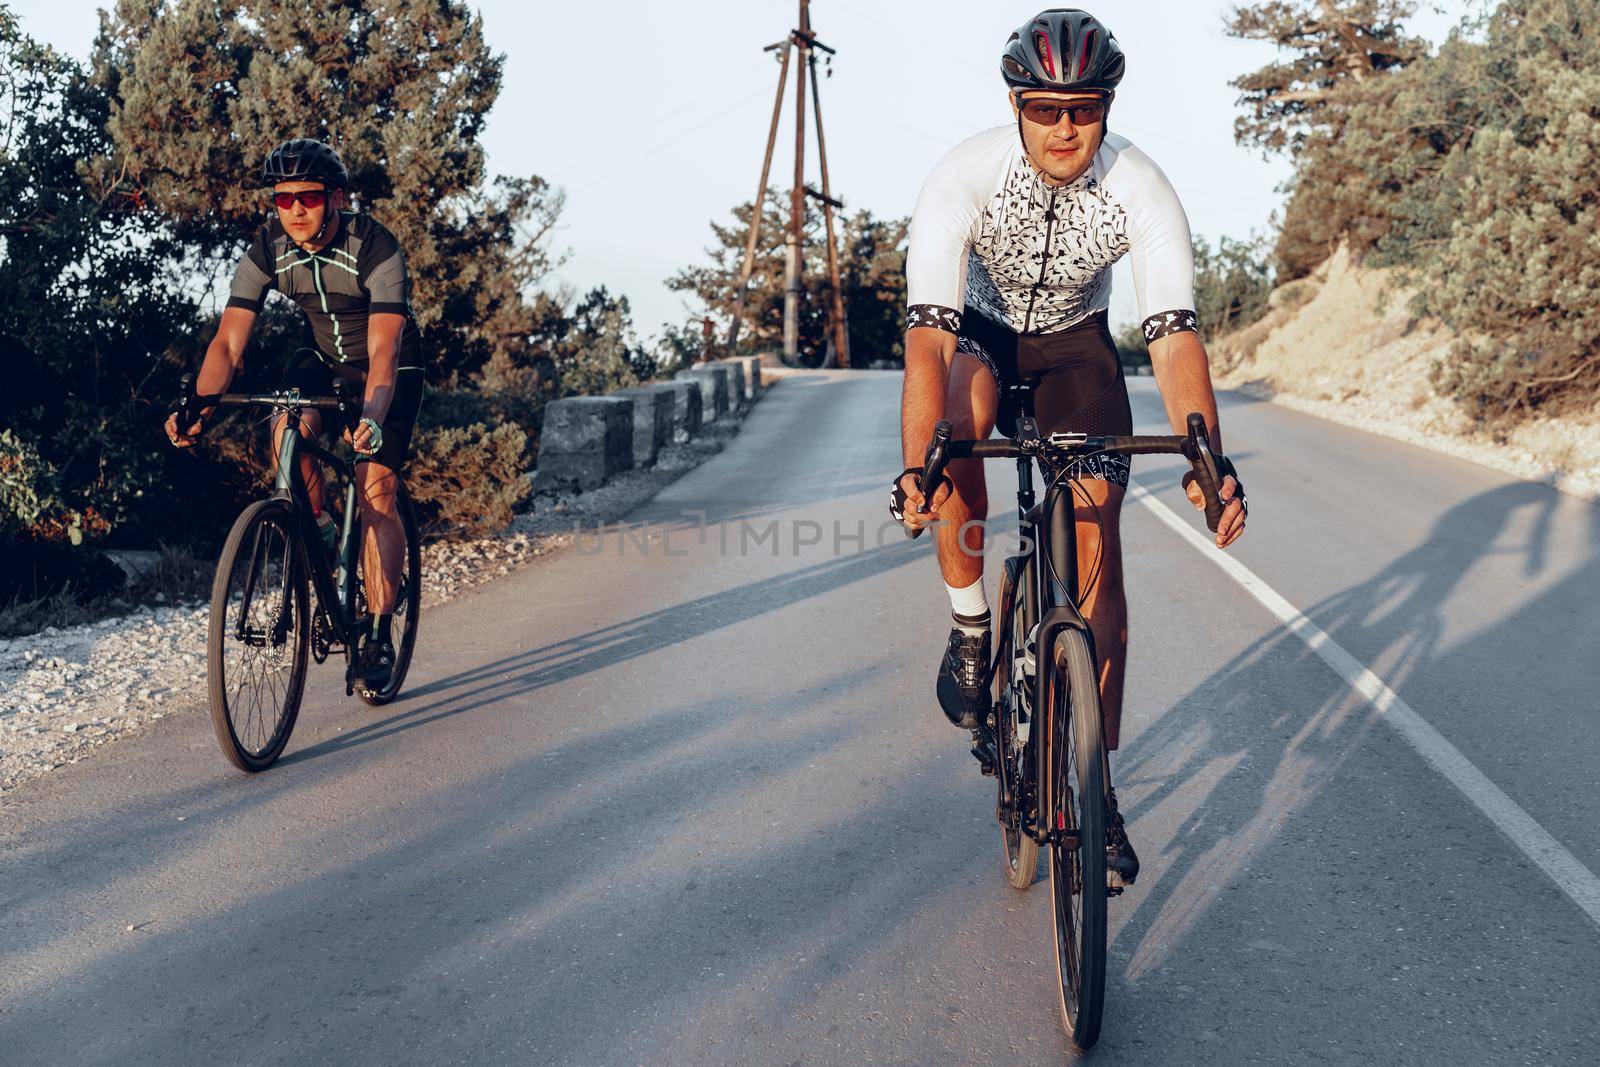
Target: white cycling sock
(970, 607)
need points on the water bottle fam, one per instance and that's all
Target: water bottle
(329, 531)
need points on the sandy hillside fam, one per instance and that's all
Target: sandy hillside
(1336, 345)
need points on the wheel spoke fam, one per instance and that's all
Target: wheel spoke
(262, 602)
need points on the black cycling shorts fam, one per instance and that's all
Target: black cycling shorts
(313, 374)
(1076, 379)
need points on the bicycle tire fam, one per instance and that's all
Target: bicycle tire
(1078, 871)
(409, 606)
(1019, 850)
(255, 681)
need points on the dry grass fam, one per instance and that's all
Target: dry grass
(177, 576)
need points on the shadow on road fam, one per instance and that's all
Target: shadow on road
(566, 884)
(1259, 742)
(514, 676)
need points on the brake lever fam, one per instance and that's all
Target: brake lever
(1204, 464)
(185, 408)
(933, 464)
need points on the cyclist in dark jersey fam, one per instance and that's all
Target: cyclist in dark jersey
(348, 276)
(1008, 277)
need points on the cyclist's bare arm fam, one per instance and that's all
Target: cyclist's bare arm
(1183, 374)
(929, 353)
(224, 358)
(383, 346)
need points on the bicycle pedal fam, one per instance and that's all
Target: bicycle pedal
(983, 751)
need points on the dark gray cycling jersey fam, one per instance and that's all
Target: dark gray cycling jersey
(360, 272)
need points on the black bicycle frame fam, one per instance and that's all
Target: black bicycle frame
(1051, 528)
(291, 487)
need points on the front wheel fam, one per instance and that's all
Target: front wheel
(1076, 809)
(260, 635)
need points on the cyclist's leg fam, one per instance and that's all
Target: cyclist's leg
(1083, 390)
(383, 548)
(307, 374)
(961, 684)
(1105, 603)
(377, 485)
(970, 405)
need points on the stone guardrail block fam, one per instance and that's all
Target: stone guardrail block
(653, 417)
(686, 409)
(713, 385)
(738, 392)
(585, 441)
(752, 375)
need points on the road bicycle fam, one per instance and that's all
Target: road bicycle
(1052, 781)
(265, 624)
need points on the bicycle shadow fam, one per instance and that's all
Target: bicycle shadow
(1262, 809)
(561, 879)
(519, 675)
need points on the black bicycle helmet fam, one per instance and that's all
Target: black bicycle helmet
(305, 160)
(1064, 49)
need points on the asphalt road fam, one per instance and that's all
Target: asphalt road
(685, 798)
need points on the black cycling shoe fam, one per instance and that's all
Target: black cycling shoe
(1122, 863)
(962, 676)
(375, 662)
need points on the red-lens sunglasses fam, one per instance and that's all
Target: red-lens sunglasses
(311, 198)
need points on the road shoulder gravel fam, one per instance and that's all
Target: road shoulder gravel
(65, 693)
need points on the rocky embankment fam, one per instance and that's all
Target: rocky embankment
(1342, 345)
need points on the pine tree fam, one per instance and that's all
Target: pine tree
(1330, 42)
(871, 274)
(87, 308)
(202, 90)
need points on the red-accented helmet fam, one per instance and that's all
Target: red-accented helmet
(1064, 49)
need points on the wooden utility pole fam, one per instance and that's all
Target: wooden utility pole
(840, 332)
(797, 196)
(803, 41)
(759, 204)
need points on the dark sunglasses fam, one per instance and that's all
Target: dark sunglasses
(312, 199)
(1048, 113)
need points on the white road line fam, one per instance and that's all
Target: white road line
(1570, 876)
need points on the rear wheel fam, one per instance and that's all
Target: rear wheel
(407, 610)
(1019, 851)
(260, 635)
(1075, 806)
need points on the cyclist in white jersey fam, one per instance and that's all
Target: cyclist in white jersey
(1008, 280)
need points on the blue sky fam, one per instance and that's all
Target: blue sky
(652, 116)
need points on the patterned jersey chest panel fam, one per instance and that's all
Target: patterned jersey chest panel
(989, 235)
(1041, 257)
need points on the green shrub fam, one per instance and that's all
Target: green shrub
(28, 486)
(1231, 283)
(38, 571)
(1518, 272)
(1131, 349)
(469, 480)
(1382, 178)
